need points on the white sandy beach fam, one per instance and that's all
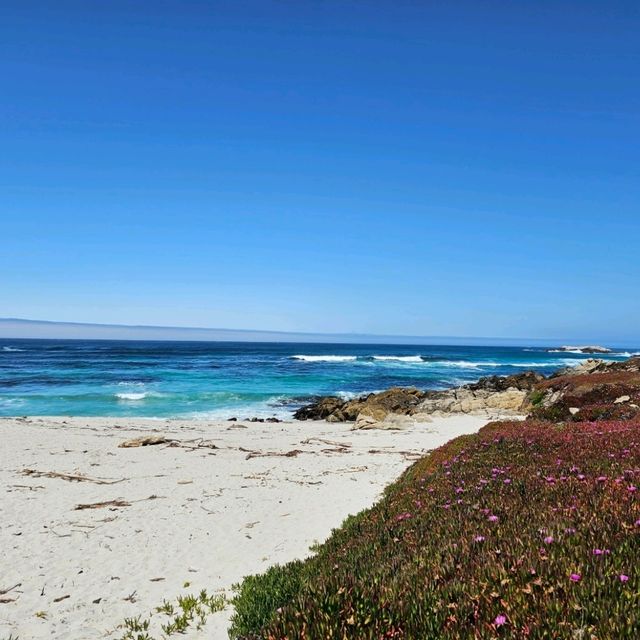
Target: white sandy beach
(196, 514)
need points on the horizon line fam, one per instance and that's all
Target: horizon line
(220, 334)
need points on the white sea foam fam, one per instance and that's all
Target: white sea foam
(325, 358)
(467, 364)
(464, 364)
(576, 351)
(132, 396)
(12, 349)
(399, 358)
(347, 395)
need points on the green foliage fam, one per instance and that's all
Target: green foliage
(259, 597)
(536, 397)
(524, 530)
(190, 609)
(136, 629)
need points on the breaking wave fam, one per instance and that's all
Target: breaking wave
(325, 358)
(400, 358)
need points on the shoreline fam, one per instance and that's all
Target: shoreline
(218, 501)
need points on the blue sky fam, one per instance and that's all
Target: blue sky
(421, 168)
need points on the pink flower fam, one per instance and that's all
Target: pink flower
(623, 577)
(507, 481)
(492, 518)
(479, 539)
(601, 479)
(403, 516)
(548, 540)
(575, 577)
(500, 620)
(601, 552)
(632, 488)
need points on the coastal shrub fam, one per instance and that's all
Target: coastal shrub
(536, 397)
(525, 530)
(259, 597)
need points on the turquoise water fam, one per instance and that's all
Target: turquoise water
(224, 379)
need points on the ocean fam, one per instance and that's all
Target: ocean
(234, 379)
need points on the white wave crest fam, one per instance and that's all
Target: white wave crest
(325, 358)
(12, 349)
(399, 358)
(132, 396)
(465, 364)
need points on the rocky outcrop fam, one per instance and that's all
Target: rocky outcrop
(597, 390)
(374, 406)
(593, 390)
(521, 381)
(480, 401)
(392, 409)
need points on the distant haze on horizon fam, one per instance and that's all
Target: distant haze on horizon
(17, 328)
(337, 168)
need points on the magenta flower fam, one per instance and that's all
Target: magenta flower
(500, 620)
(601, 552)
(403, 516)
(575, 577)
(492, 518)
(632, 488)
(601, 479)
(548, 540)
(479, 539)
(623, 577)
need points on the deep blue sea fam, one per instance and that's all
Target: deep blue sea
(224, 379)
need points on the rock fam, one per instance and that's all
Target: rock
(473, 401)
(391, 422)
(320, 409)
(522, 381)
(574, 410)
(587, 349)
(587, 366)
(622, 399)
(370, 416)
(373, 407)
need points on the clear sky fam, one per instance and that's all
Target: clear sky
(423, 168)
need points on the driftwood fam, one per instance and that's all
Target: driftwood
(333, 443)
(144, 441)
(15, 586)
(34, 473)
(265, 454)
(197, 443)
(102, 505)
(61, 598)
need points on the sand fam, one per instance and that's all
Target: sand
(217, 504)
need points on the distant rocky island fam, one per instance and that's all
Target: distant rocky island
(585, 349)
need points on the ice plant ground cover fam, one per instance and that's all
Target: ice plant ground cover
(525, 530)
